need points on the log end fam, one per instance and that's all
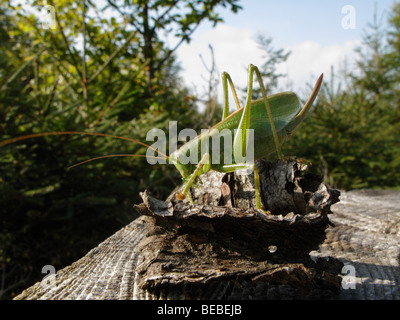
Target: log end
(222, 241)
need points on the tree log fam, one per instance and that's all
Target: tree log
(223, 241)
(222, 248)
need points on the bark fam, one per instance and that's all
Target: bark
(223, 242)
(148, 52)
(220, 248)
(366, 236)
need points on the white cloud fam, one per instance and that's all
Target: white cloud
(309, 59)
(235, 48)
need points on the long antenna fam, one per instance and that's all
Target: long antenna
(42, 134)
(114, 155)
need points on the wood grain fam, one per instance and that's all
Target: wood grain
(148, 260)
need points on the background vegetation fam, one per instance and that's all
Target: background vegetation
(114, 74)
(352, 134)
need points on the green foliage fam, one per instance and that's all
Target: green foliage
(114, 74)
(91, 73)
(151, 19)
(352, 136)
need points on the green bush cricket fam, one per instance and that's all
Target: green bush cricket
(272, 120)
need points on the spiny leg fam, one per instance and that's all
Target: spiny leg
(269, 112)
(203, 167)
(241, 138)
(240, 142)
(225, 79)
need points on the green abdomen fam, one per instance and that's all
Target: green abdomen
(284, 107)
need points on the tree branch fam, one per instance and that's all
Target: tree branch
(171, 51)
(131, 21)
(112, 56)
(160, 18)
(84, 75)
(75, 63)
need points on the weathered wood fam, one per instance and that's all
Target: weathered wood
(191, 256)
(366, 238)
(106, 272)
(209, 244)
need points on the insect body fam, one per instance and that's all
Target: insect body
(269, 120)
(272, 120)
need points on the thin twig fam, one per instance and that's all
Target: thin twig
(22, 67)
(84, 79)
(75, 63)
(184, 38)
(131, 21)
(100, 70)
(160, 18)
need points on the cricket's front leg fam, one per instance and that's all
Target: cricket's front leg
(225, 79)
(203, 167)
(241, 138)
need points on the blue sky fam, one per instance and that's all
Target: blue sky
(312, 30)
(290, 22)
